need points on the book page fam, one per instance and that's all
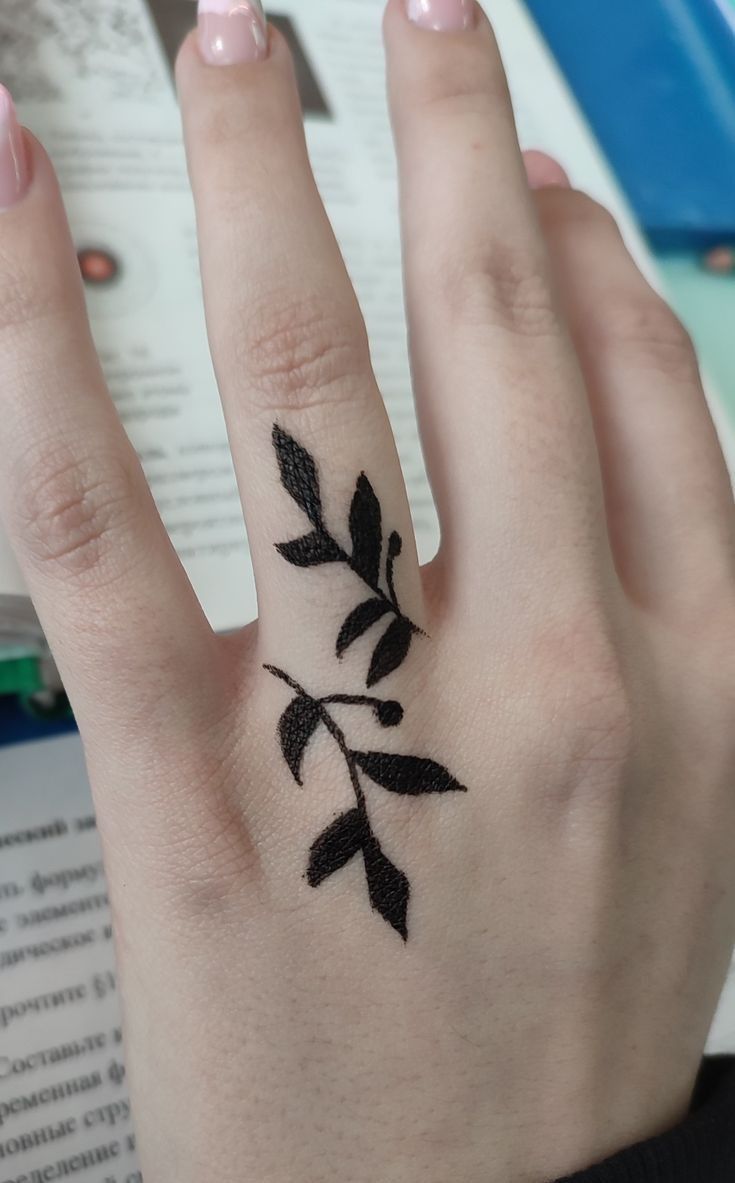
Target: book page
(64, 1109)
(94, 82)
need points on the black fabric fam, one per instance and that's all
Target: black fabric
(700, 1150)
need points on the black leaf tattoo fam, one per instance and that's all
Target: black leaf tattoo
(391, 650)
(366, 530)
(336, 847)
(298, 475)
(388, 888)
(351, 834)
(410, 775)
(300, 479)
(395, 546)
(359, 621)
(310, 551)
(298, 723)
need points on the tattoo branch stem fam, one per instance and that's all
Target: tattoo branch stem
(334, 729)
(390, 599)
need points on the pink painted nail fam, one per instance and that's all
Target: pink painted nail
(14, 172)
(444, 16)
(232, 31)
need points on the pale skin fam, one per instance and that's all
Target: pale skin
(573, 913)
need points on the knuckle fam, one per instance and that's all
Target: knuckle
(202, 868)
(586, 704)
(635, 317)
(71, 510)
(221, 141)
(302, 354)
(505, 288)
(454, 94)
(209, 855)
(645, 326)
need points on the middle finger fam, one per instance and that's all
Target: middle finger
(291, 354)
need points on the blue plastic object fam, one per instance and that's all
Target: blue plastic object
(656, 79)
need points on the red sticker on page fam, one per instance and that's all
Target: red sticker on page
(99, 267)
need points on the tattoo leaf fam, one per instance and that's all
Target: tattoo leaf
(366, 531)
(388, 888)
(334, 849)
(311, 550)
(296, 728)
(391, 650)
(409, 775)
(359, 621)
(298, 474)
(395, 547)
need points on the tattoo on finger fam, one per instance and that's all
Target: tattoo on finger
(300, 479)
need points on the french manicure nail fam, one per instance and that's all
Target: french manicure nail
(14, 173)
(444, 16)
(232, 32)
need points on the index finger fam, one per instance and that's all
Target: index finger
(101, 570)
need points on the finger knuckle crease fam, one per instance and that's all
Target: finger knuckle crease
(463, 85)
(303, 355)
(506, 290)
(653, 331)
(71, 510)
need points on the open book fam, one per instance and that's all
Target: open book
(93, 81)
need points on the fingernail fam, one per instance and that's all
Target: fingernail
(444, 16)
(232, 32)
(14, 173)
(544, 172)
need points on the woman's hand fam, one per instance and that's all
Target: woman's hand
(496, 960)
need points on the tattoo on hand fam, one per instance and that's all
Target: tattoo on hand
(300, 479)
(351, 834)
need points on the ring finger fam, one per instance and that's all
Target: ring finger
(508, 432)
